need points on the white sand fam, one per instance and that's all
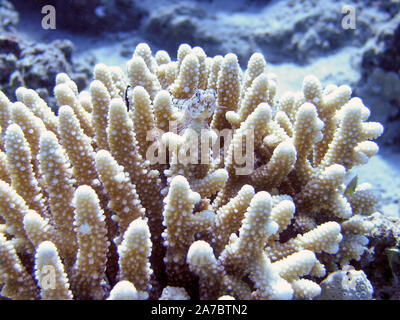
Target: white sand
(383, 172)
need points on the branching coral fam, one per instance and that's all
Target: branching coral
(208, 186)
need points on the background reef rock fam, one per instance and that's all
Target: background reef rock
(8, 15)
(383, 256)
(380, 76)
(92, 16)
(35, 65)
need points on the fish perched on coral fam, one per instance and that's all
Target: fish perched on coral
(247, 200)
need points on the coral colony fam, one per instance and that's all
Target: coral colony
(208, 187)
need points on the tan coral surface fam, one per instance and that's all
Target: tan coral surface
(182, 179)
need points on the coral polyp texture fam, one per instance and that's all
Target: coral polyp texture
(185, 179)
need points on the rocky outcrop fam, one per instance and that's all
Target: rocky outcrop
(380, 78)
(24, 63)
(8, 16)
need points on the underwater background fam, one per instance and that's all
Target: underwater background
(356, 43)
